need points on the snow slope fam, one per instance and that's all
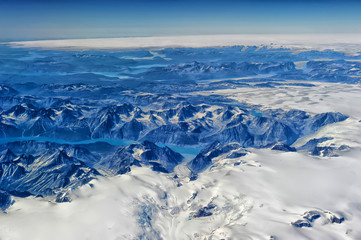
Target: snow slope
(255, 200)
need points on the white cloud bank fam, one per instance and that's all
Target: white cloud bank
(308, 41)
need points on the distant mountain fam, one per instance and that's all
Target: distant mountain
(196, 70)
(183, 124)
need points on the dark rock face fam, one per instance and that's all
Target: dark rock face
(121, 161)
(177, 134)
(5, 200)
(205, 211)
(313, 143)
(301, 223)
(284, 148)
(267, 131)
(204, 159)
(62, 197)
(237, 154)
(321, 120)
(336, 219)
(324, 152)
(44, 173)
(131, 130)
(196, 70)
(238, 133)
(312, 215)
(314, 149)
(162, 159)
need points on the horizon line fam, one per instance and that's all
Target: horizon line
(13, 40)
(299, 41)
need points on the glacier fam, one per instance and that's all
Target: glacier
(179, 142)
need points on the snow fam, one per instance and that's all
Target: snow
(254, 200)
(258, 198)
(324, 97)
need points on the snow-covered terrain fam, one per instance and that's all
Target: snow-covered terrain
(323, 97)
(255, 141)
(257, 199)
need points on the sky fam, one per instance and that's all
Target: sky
(61, 19)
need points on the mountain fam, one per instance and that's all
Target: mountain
(161, 159)
(197, 70)
(5, 200)
(182, 124)
(204, 158)
(44, 169)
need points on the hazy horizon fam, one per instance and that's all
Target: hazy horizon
(40, 19)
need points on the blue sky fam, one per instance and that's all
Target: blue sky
(55, 19)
